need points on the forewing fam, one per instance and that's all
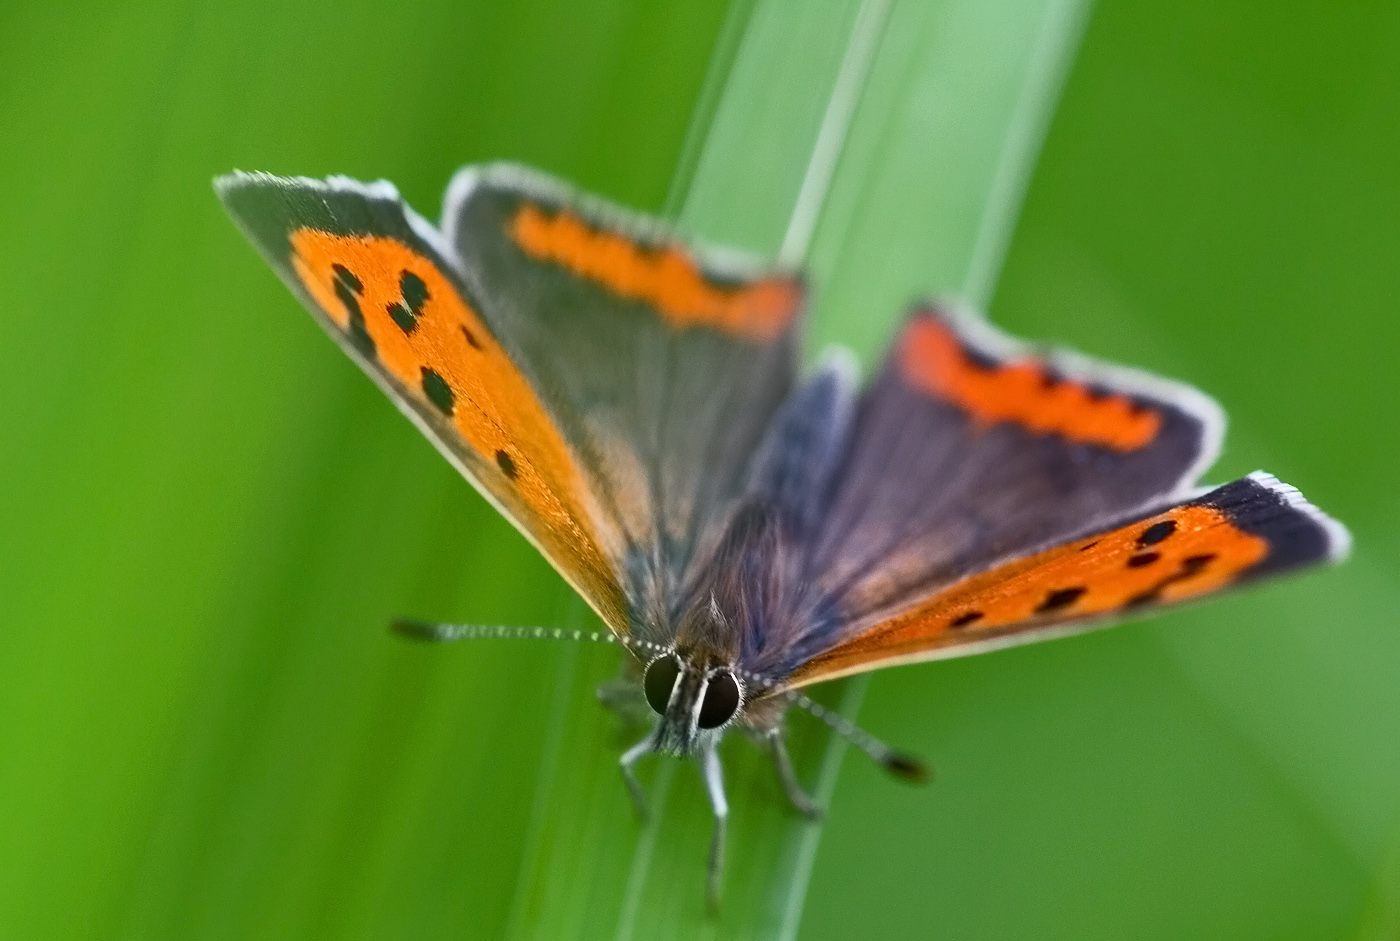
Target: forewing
(971, 448)
(1237, 533)
(662, 364)
(384, 285)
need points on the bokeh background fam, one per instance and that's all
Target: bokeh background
(207, 515)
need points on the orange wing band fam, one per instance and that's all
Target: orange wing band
(665, 277)
(932, 359)
(1184, 552)
(425, 335)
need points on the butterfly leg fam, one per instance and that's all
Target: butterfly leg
(714, 786)
(788, 777)
(629, 774)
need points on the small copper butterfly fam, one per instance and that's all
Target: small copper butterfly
(633, 405)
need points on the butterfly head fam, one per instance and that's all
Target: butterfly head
(694, 686)
(694, 695)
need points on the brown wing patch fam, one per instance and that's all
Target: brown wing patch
(664, 277)
(399, 310)
(933, 359)
(1184, 552)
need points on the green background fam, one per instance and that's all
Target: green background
(207, 515)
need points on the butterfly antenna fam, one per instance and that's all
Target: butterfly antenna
(897, 763)
(433, 632)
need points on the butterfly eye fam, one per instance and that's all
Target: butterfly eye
(659, 680)
(721, 700)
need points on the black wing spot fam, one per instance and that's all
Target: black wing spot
(470, 338)
(415, 292)
(348, 289)
(1086, 547)
(405, 313)
(1060, 598)
(506, 464)
(1146, 598)
(1193, 564)
(1143, 558)
(438, 391)
(344, 276)
(1156, 533)
(405, 318)
(963, 620)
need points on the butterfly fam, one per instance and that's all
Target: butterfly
(632, 403)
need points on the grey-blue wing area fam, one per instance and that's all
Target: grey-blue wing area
(932, 491)
(664, 418)
(861, 505)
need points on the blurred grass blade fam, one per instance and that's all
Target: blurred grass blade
(920, 123)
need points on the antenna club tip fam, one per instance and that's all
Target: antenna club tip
(414, 629)
(907, 768)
